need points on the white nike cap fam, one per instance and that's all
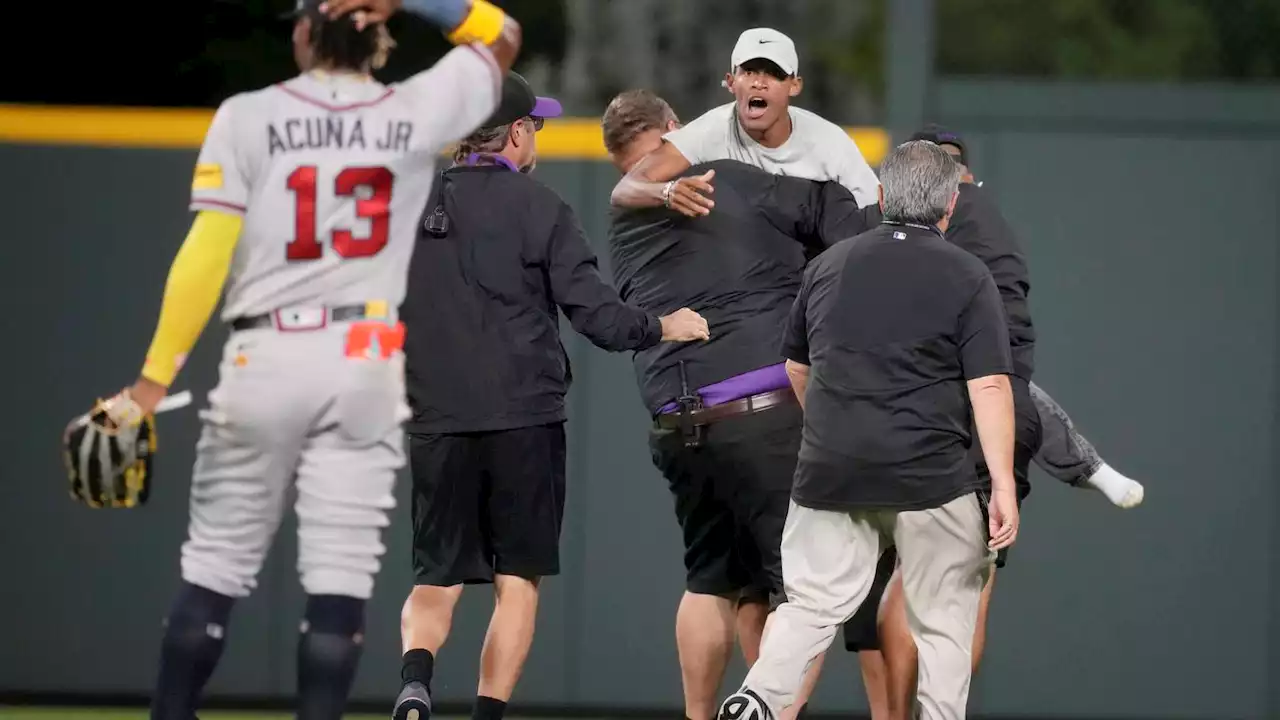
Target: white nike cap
(765, 44)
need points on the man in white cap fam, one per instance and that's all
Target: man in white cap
(759, 127)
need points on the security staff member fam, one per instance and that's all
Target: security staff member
(726, 423)
(497, 254)
(1044, 433)
(885, 457)
(878, 631)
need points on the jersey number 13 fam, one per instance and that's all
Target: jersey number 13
(376, 208)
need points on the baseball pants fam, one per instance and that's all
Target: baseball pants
(828, 562)
(292, 411)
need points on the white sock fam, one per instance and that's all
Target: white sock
(1120, 490)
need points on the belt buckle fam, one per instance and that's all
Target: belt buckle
(300, 319)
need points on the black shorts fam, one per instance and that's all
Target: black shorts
(731, 498)
(486, 503)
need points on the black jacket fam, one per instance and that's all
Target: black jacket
(739, 266)
(977, 226)
(482, 339)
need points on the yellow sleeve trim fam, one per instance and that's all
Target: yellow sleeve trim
(483, 24)
(192, 292)
(208, 176)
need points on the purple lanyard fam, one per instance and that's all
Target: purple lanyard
(474, 159)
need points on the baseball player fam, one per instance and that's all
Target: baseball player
(307, 194)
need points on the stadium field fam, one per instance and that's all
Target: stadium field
(28, 713)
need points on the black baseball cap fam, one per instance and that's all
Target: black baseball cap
(939, 135)
(518, 101)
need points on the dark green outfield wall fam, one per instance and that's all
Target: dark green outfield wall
(1150, 220)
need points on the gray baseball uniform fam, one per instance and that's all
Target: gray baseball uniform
(330, 172)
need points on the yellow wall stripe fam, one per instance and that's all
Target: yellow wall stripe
(564, 139)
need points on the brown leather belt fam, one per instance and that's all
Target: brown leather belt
(743, 406)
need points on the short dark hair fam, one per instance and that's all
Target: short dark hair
(631, 113)
(340, 44)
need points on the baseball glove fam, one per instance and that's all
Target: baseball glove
(108, 453)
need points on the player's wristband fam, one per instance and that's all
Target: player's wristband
(483, 24)
(445, 13)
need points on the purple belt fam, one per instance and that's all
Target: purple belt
(773, 377)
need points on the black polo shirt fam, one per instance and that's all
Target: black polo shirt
(892, 323)
(978, 226)
(739, 266)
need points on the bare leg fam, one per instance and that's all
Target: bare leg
(425, 621)
(826, 556)
(806, 689)
(750, 624)
(427, 617)
(897, 663)
(899, 652)
(875, 678)
(810, 681)
(510, 635)
(980, 630)
(704, 639)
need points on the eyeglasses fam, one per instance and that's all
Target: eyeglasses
(537, 122)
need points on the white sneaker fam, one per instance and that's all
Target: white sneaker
(744, 705)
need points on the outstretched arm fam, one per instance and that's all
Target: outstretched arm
(1068, 456)
(652, 183)
(593, 306)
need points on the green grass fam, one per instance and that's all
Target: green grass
(11, 713)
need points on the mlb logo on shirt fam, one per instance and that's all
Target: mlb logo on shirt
(898, 235)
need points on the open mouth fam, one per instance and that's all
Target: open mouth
(756, 107)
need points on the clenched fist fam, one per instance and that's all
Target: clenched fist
(684, 325)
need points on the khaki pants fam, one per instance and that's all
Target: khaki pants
(828, 563)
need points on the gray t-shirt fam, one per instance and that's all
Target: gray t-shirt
(817, 149)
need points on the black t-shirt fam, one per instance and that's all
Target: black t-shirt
(977, 226)
(892, 323)
(739, 266)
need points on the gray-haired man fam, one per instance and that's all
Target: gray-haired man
(885, 450)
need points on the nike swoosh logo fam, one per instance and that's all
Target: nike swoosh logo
(764, 42)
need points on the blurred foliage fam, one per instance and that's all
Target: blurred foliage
(857, 57)
(198, 52)
(1151, 40)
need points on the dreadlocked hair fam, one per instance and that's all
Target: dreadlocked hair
(339, 44)
(484, 140)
